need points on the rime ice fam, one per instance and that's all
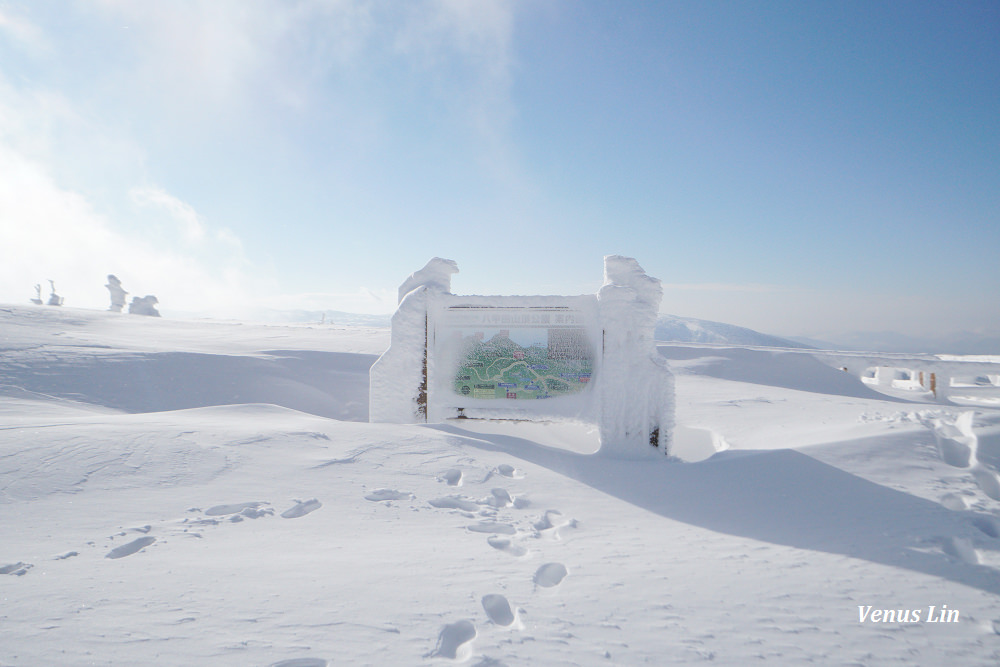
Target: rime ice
(591, 357)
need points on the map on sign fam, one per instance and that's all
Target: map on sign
(526, 363)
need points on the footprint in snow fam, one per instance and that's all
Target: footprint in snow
(500, 498)
(550, 575)
(455, 641)
(507, 545)
(454, 503)
(551, 522)
(505, 470)
(492, 527)
(255, 512)
(498, 610)
(17, 569)
(379, 495)
(301, 509)
(453, 477)
(234, 508)
(131, 547)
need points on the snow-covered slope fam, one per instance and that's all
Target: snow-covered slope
(689, 330)
(170, 533)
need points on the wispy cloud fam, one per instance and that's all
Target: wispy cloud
(237, 56)
(25, 33)
(479, 36)
(187, 219)
(50, 232)
(184, 71)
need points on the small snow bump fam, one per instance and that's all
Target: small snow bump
(954, 502)
(961, 549)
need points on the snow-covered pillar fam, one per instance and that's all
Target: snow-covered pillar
(397, 381)
(636, 387)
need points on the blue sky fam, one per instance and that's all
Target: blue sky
(802, 168)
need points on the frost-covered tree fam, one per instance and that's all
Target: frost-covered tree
(117, 294)
(144, 305)
(54, 299)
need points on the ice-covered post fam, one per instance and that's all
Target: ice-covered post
(636, 386)
(398, 380)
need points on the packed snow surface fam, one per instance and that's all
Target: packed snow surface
(199, 492)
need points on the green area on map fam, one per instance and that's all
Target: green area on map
(559, 363)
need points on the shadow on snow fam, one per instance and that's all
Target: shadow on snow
(779, 496)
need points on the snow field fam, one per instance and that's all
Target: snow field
(294, 539)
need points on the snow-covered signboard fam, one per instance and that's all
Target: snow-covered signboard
(589, 357)
(486, 351)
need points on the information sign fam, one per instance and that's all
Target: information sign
(514, 352)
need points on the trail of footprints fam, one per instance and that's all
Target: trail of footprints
(189, 526)
(216, 515)
(958, 447)
(455, 640)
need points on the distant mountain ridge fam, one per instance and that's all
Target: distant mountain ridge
(671, 328)
(889, 341)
